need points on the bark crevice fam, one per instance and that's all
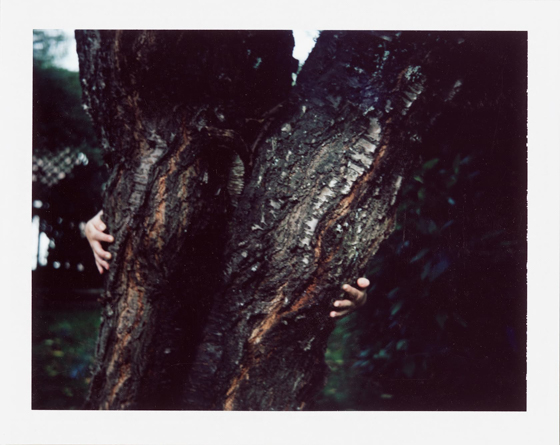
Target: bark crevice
(239, 205)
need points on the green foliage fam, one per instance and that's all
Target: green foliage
(438, 308)
(445, 323)
(445, 326)
(58, 118)
(345, 389)
(63, 348)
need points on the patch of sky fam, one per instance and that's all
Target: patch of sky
(64, 52)
(66, 56)
(304, 42)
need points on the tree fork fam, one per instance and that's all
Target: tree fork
(319, 198)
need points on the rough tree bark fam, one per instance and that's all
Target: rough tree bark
(239, 205)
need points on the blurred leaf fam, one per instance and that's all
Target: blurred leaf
(396, 307)
(420, 255)
(474, 174)
(402, 344)
(364, 353)
(381, 354)
(438, 269)
(456, 163)
(425, 270)
(430, 164)
(432, 227)
(446, 225)
(419, 179)
(466, 160)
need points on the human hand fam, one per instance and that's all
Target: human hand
(94, 233)
(355, 299)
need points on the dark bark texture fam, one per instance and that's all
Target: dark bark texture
(239, 205)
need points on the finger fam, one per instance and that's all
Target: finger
(99, 268)
(343, 304)
(104, 237)
(353, 293)
(340, 314)
(98, 224)
(99, 251)
(363, 282)
(100, 261)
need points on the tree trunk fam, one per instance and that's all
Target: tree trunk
(173, 111)
(239, 207)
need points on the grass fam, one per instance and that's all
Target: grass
(63, 345)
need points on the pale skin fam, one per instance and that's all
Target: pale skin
(355, 297)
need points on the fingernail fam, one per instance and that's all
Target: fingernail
(111, 239)
(108, 256)
(345, 287)
(333, 314)
(336, 303)
(103, 227)
(363, 282)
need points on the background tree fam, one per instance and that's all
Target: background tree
(222, 175)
